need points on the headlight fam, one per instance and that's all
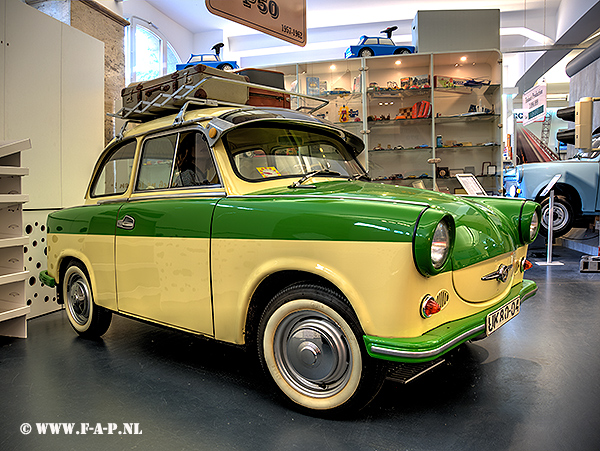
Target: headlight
(529, 221)
(512, 191)
(519, 174)
(440, 245)
(433, 241)
(534, 226)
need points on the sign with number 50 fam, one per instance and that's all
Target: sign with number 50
(283, 19)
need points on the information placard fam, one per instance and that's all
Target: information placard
(283, 19)
(534, 104)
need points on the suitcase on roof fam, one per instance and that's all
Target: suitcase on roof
(168, 93)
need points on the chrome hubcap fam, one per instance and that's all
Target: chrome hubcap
(312, 353)
(560, 217)
(78, 299)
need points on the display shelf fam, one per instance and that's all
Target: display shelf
(13, 307)
(377, 88)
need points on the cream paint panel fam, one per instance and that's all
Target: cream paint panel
(96, 253)
(165, 280)
(471, 288)
(379, 280)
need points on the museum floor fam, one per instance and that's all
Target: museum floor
(533, 385)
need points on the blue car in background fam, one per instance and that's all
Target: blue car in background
(375, 46)
(210, 60)
(576, 194)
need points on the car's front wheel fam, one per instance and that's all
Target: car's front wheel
(88, 319)
(309, 342)
(365, 52)
(562, 218)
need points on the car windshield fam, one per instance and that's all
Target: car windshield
(268, 151)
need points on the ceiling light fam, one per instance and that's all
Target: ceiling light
(463, 58)
(397, 62)
(332, 67)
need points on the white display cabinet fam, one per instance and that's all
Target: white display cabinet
(460, 128)
(13, 276)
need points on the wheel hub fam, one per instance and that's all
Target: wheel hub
(312, 353)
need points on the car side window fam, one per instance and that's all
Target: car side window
(115, 174)
(371, 41)
(193, 164)
(157, 163)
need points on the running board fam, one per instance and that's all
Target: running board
(406, 372)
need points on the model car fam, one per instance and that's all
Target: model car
(209, 59)
(376, 46)
(257, 227)
(576, 193)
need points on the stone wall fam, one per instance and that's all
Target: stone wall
(101, 23)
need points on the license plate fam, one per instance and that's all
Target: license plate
(502, 315)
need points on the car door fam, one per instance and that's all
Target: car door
(163, 234)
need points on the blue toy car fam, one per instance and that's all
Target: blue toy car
(210, 60)
(577, 192)
(374, 46)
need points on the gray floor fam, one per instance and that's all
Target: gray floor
(533, 385)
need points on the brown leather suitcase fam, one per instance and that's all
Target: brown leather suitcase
(263, 77)
(266, 97)
(169, 92)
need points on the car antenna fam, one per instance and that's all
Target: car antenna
(389, 30)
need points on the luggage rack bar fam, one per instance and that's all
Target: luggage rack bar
(163, 103)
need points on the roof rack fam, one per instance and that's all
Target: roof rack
(169, 103)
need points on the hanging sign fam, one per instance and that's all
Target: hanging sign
(534, 104)
(283, 19)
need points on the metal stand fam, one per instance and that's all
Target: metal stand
(549, 261)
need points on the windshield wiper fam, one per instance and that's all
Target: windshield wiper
(360, 177)
(298, 184)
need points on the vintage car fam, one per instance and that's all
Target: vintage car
(576, 193)
(258, 227)
(376, 46)
(208, 59)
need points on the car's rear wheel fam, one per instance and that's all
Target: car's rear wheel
(226, 66)
(365, 52)
(402, 52)
(88, 319)
(562, 218)
(309, 342)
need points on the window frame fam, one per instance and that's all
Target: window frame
(130, 41)
(170, 188)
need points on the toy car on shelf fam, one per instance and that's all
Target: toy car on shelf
(376, 46)
(258, 227)
(210, 60)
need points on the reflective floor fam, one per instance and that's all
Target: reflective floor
(533, 385)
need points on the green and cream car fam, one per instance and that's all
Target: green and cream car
(259, 227)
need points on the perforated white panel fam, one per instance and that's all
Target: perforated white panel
(41, 298)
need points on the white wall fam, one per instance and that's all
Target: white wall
(53, 94)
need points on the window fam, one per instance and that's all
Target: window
(116, 171)
(149, 53)
(192, 165)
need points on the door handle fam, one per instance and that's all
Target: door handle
(127, 223)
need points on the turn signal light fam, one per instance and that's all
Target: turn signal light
(429, 306)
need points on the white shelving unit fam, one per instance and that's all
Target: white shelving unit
(13, 277)
(377, 92)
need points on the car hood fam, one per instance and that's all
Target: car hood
(486, 227)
